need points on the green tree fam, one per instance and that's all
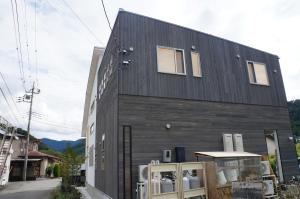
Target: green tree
(70, 167)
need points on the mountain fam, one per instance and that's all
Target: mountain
(77, 145)
(294, 111)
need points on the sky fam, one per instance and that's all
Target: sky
(67, 30)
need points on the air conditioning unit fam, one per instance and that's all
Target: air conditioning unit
(268, 187)
(238, 142)
(265, 168)
(227, 142)
(143, 173)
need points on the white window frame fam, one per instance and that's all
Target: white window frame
(174, 49)
(200, 65)
(255, 83)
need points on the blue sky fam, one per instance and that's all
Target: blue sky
(65, 47)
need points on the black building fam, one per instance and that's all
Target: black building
(155, 73)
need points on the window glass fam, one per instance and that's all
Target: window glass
(257, 73)
(179, 61)
(166, 61)
(196, 64)
(261, 74)
(170, 60)
(92, 129)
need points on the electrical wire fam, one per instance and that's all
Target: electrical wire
(20, 62)
(10, 94)
(35, 44)
(12, 113)
(106, 15)
(82, 22)
(26, 34)
(19, 39)
(53, 124)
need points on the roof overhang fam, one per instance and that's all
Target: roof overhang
(223, 154)
(95, 64)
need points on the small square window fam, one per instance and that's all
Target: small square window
(257, 73)
(170, 60)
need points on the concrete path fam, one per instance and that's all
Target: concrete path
(39, 189)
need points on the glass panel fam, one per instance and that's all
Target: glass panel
(251, 72)
(261, 74)
(179, 62)
(166, 60)
(196, 64)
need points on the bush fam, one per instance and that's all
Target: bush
(49, 171)
(56, 170)
(66, 191)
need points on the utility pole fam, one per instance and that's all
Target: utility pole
(32, 92)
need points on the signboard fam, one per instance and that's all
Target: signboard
(247, 190)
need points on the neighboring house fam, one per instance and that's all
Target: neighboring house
(37, 161)
(161, 86)
(89, 116)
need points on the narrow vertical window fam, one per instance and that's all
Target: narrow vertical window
(251, 72)
(179, 62)
(196, 64)
(92, 129)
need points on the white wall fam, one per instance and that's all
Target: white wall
(91, 137)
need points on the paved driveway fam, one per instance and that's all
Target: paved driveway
(39, 189)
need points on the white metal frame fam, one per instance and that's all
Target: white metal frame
(254, 62)
(179, 193)
(174, 49)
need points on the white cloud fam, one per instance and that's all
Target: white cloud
(65, 46)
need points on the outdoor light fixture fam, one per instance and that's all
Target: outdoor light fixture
(274, 71)
(238, 56)
(193, 47)
(291, 138)
(126, 62)
(168, 126)
(131, 49)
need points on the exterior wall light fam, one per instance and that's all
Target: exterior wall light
(168, 126)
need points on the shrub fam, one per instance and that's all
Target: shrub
(65, 192)
(49, 171)
(56, 170)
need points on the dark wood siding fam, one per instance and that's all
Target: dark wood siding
(107, 121)
(225, 77)
(198, 126)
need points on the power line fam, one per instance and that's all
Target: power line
(26, 33)
(20, 63)
(106, 15)
(10, 94)
(13, 114)
(55, 125)
(82, 22)
(35, 44)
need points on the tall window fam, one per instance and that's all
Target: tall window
(197, 72)
(92, 129)
(170, 60)
(257, 73)
(92, 107)
(102, 164)
(91, 155)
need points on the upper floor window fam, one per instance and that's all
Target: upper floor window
(196, 64)
(92, 107)
(257, 73)
(92, 129)
(170, 60)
